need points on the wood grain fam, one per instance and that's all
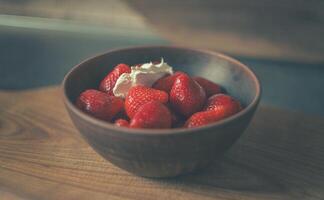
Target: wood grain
(43, 157)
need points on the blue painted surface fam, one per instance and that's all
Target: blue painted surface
(33, 58)
(296, 86)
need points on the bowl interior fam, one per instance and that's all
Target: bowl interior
(233, 76)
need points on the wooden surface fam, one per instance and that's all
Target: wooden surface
(285, 30)
(42, 156)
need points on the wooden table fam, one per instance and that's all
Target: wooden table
(42, 156)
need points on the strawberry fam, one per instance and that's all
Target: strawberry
(186, 95)
(210, 87)
(99, 104)
(122, 122)
(108, 83)
(174, 118)
(203, 118)
(152, 114)
(218, 107)
(223, 103)
(139, 95)
(165, 83)
(177, 120)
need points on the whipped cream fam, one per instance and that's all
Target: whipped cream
(146, 75)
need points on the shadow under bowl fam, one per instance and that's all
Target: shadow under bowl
(163, 152)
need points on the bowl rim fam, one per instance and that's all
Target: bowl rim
(171, 131)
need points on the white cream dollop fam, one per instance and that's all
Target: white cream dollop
(146, 75)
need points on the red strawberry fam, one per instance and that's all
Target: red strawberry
(165, 83)
(210, 87)
(108, 83)
(219, 106)
(151, 115)
(176, 119)
(203, 118)
(122, 122)
(139, 95)
(100, 104)
(223, 103)
(186, 95)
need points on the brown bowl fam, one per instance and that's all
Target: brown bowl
(163, 152)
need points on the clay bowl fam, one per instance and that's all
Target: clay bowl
(163, 152)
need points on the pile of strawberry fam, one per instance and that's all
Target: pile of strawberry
(177, 100)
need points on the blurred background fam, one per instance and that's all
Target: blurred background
(282, 41)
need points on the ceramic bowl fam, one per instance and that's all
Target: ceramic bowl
(163, 152)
